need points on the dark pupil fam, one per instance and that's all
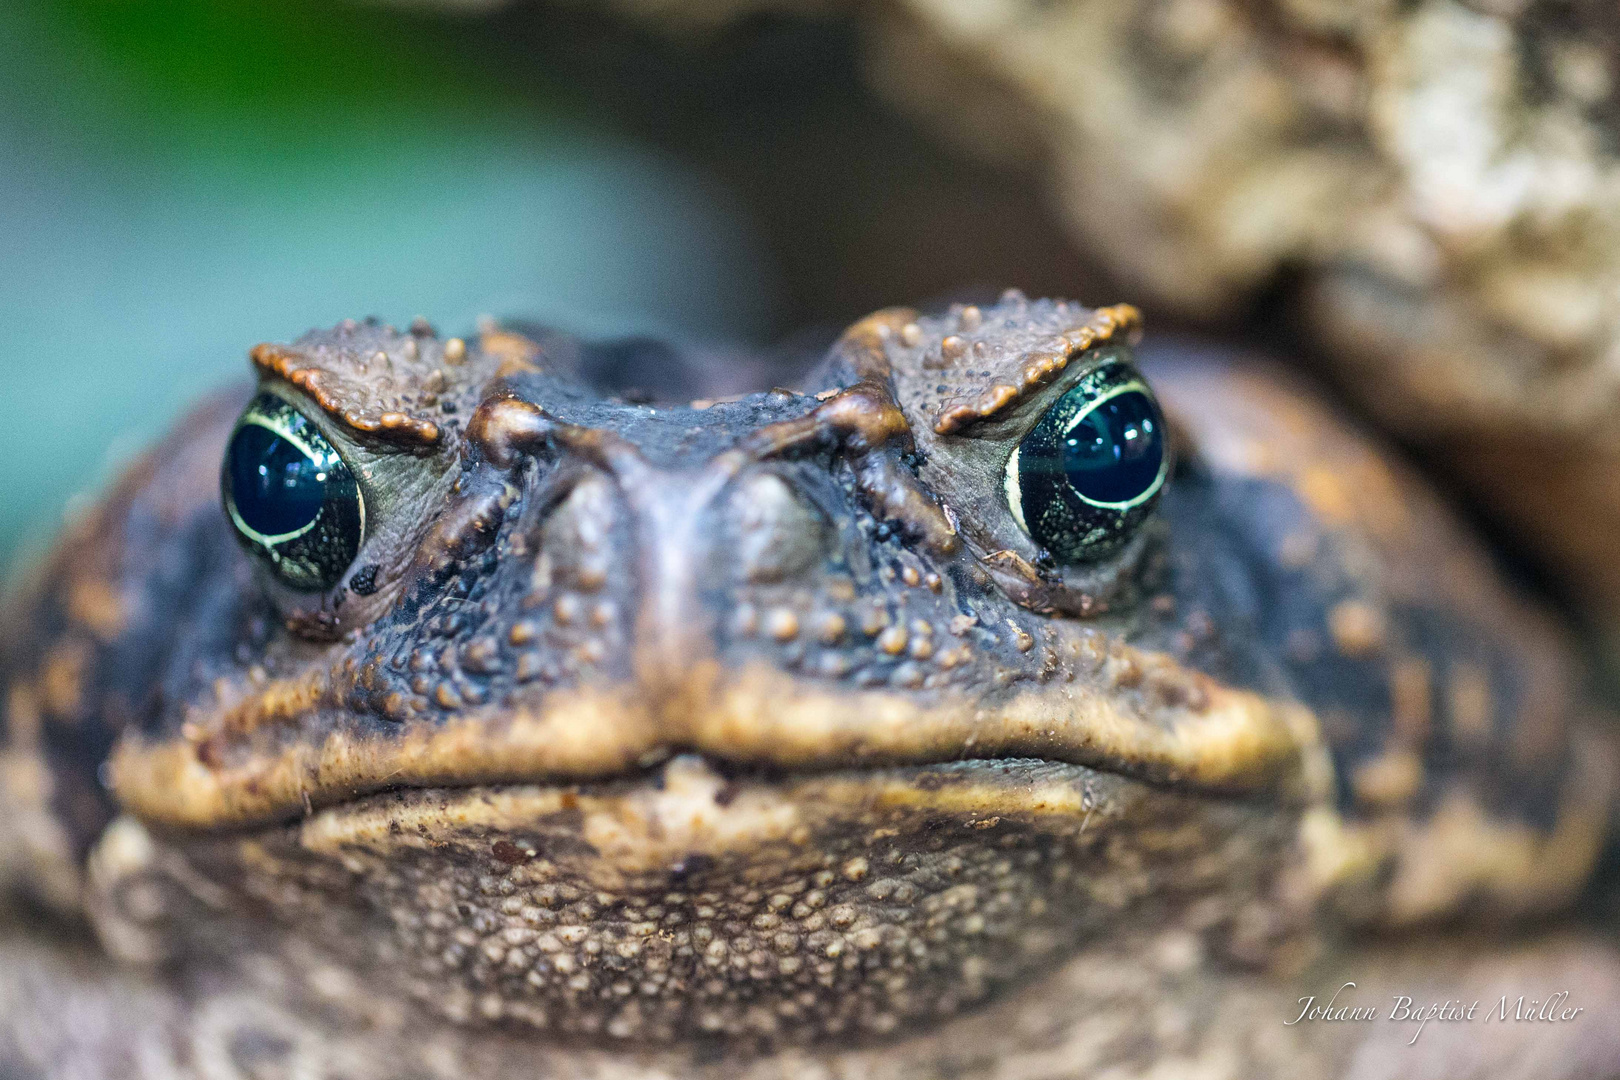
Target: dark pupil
(1113, 454)
(292, 497)
(277, 488)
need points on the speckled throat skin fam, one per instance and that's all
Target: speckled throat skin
(734, 726)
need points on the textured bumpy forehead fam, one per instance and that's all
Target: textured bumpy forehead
(971, 363)
(404, 388)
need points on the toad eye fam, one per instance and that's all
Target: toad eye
(291, 496)
(1089, 473)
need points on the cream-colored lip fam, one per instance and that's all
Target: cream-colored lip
(635, 828)
(1217, 739)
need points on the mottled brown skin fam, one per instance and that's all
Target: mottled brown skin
(724, 736)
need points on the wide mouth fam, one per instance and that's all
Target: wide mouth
(274, 756)
(689, 812)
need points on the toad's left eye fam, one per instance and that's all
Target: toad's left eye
(291, 496)
(1088, 475)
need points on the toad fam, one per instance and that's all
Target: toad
(430, 685)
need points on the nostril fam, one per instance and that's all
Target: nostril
(779, 533)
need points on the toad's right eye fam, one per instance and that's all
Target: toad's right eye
(1086, 478)
(293, 499)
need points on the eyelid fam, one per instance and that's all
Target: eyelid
(1030, 412)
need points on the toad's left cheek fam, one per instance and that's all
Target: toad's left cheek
(1465, 771)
